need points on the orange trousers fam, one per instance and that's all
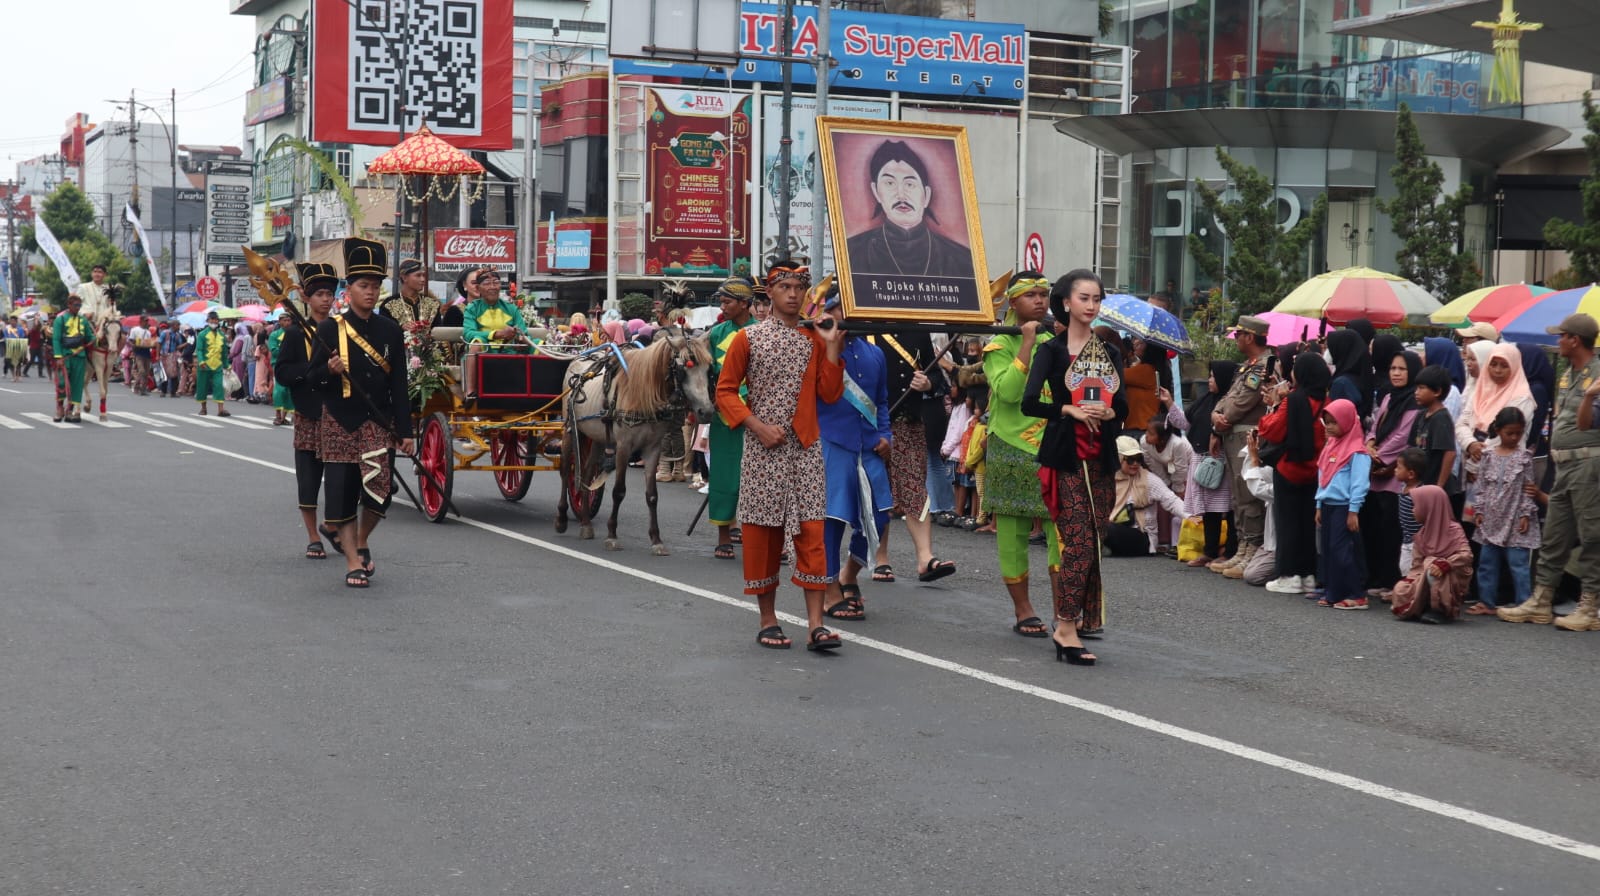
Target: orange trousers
(763, 547)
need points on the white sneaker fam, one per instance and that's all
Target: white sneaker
(1287, 585)
(703, 490)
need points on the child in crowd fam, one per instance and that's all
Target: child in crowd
(1434, 431)
(1407, 469)
(1168, 454)
(1441, 566)
(1258, 479)
(972, 460)
(952, 452)
(1506, 515)
(1343, 470)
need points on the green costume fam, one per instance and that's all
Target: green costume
(281, 400)
(727, 446)
(482, 318)
(1011, 480)
(70, 339)
(210, 357)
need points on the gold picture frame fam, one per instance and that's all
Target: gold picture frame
(903, 213)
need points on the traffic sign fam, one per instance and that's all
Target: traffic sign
(1033, 253)
(207, 288)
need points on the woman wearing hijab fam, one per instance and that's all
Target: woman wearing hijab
(1385, 349)
(1212, 505)
(1442, 351)
(1365, 328)
(1441, 564)
(1352, 370)
(1501, 383)
(1541, 377)
(616, 331)
(1295, 422)
(1380, 515)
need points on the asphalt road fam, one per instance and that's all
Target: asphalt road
(192, 708)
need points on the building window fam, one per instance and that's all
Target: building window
(590, 27)
(341, 161)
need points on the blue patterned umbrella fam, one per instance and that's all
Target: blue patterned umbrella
(1144, 320)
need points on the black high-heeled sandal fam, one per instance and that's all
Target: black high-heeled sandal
(1076, 656)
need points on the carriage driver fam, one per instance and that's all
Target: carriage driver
(70, 341)
(489, 321)
(356, 444)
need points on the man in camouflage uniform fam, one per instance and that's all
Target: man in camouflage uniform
(1234, 418)
(1572, 523)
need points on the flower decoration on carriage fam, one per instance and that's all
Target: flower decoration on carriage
(427, 371)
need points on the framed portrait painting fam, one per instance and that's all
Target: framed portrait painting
(904, 217)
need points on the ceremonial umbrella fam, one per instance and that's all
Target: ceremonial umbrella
(1349, 293)
(1146, 321)
(1487, 304)
(1527, 321)
(435, 168)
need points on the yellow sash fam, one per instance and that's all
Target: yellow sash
(348, 334)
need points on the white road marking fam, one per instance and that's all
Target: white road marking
(245, 422)
(1453, 812)
(195, 419)
(108, 424)
(47, 421)
(9, 423)
(140, 418)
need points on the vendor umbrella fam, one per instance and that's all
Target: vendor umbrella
(1146, 321)
(1527, 321)
(1350, 293)
(198, 305)
(256, 313)
(1487, 304)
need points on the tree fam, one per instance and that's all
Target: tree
(1428, 223)
(71, 218)
(1264, 261)
(1582, 241)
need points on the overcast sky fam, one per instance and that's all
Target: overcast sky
(72, 56)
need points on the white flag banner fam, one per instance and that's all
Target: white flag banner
(57, 255)
(149, 259)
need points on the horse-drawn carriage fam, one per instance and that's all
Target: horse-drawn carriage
(582, 412)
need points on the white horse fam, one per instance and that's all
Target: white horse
(626, 410)
(105, 353)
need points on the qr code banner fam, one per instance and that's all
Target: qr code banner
(454, 55)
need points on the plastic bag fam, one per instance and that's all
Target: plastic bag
(1192, 539)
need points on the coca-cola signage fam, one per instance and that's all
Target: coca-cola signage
(460, 250)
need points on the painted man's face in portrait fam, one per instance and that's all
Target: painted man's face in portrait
(902, 194)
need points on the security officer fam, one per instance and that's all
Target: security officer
(1572, 522)
(1235, 417)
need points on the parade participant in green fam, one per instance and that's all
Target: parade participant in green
(210, 359)
(70, 339)
(294, 372)
(365, 408)
(490, 322)
(1011, 488)
(736, 294)
(282, 401)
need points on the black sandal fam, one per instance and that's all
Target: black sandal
(356, 578)
(1076, 656)
(845, 609)
(332, 535)
(821, 639)
(724, 551)
(883, 573)
(314, 551)
(736, 536)
(773, 638)
(367, 565)
(937, 569)
(1032, 627)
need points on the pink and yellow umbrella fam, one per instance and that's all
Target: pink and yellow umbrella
(1486, 305)
(1349, 293)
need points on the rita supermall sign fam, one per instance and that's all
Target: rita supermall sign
(879, 51)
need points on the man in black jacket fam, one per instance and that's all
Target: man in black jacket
(365, 408)
(294, 370)
(917, 422)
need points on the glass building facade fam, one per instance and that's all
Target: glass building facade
(1201, 55)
